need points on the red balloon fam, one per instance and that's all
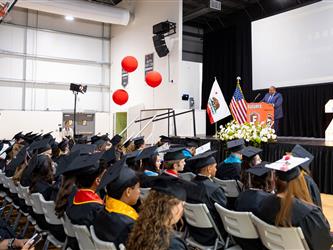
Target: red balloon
(153, 79)
(120, 96)
(129, 63)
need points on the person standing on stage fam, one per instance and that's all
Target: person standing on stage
(275, 98)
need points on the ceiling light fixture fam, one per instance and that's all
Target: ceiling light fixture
(69, 18)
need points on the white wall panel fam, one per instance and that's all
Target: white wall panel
(63, 72)
(13, 121)
(69, 46)
(12, 38)
(10, 97)
(11, 67)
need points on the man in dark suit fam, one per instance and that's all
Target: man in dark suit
(276, 99)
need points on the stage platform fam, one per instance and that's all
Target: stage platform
(321, 167)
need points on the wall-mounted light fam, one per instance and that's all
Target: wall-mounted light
(69, 18)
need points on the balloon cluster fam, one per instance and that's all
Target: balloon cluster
(130, 64)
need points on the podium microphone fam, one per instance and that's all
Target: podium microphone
(256, 97)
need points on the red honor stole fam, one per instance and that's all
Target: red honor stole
(84, 196)
(171, 172)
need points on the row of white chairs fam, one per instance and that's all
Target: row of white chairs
(87, 240)
(243, 225)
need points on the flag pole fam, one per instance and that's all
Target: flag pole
(238, 79)
(215, 128)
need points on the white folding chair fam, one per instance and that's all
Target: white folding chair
(188, 176)
(83, 237)
(197, 215)
(100, 244)
(238, 224)
(68, 226)
(51, 218)
(280, 238)
(144, 193)
(231, 188)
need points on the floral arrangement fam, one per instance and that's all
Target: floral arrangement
(253, 133)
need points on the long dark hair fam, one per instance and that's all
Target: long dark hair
(42, 172)
(149, 164)
(65, 190)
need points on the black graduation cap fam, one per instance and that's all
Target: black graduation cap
(288, 175)
(64, 162)
(147, 153)
(169, 185)
(117, 176)
(84, 164)
(63, 144)
(105, 137)
(29, 133)
(301, 152)
(127, 142)
(31, 165)
(84, 148)
(99, 143)
(130, 157)
(82, 140)
(18, 136)
(192, 142)
(32, 137)
(19, 158)
(139, 140)
(116, 140)
(94, 138)
(165, 139)
(174, 154)
(201, 160)
(235, 145)
(259, 170)
(41, 146)
(250, 151)
(285, 171)
(109, 156)
(48, 135)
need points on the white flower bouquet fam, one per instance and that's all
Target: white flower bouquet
(252, 133)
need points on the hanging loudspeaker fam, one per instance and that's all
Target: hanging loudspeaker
(160, 45)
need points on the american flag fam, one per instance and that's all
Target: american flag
(238, 105)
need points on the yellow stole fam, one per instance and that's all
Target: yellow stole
(119, 207)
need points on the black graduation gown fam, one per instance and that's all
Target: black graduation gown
(177, 243)
(210, 194)
(313, 189)
(228, 171)
(249, 201)
(113, 227)
(308, 217)
(83, 214)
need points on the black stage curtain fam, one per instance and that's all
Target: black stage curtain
(227, 54)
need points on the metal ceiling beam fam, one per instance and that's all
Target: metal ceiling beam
(197, 13)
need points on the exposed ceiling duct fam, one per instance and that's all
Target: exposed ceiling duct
(80, 9)
(212, 6)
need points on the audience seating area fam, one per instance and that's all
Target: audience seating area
(237, 224)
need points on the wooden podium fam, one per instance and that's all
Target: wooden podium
(260, 112)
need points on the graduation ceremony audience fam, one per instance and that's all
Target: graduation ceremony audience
(98, 183)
